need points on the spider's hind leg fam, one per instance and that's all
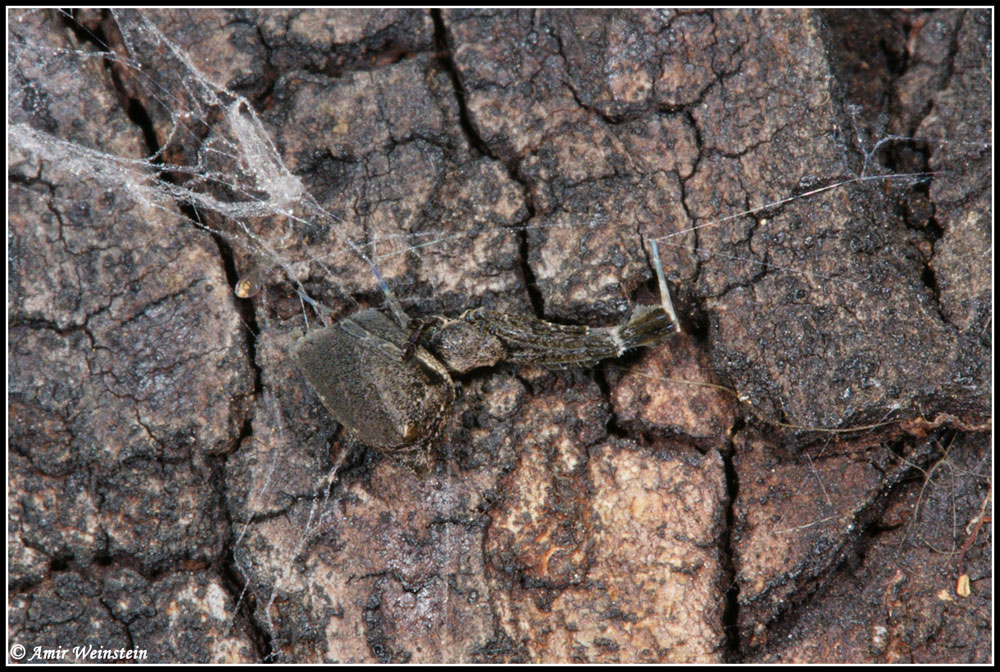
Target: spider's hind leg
(399, 315)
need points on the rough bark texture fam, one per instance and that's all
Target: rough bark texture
(176, 487)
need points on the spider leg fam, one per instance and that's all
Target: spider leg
(528, 340)
(399, 315)
(665, 302)
(396, 310)
(417, 327)
(359, 332)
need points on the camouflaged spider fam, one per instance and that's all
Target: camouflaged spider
(389, 384)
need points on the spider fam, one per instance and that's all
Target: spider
(387, 378)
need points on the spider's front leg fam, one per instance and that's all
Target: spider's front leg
(528, 340)
(483, 337)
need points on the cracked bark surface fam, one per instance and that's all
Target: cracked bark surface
(170, 487)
